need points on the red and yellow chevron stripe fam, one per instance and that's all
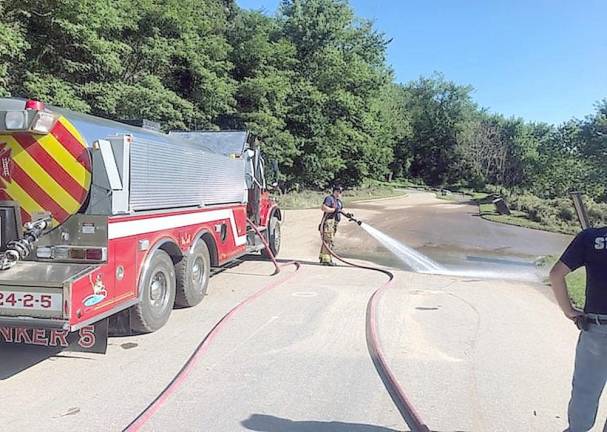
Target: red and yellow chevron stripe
(46, 173)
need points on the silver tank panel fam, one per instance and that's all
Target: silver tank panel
(93, 128)
(166, 171)
(228, 142)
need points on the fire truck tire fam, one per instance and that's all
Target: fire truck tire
(274, 237)
(193, 273)
(158, 297)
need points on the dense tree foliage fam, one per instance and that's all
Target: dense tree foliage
(312, 81)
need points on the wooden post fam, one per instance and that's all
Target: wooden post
(580, 209)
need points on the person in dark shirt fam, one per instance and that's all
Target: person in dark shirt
(331, 208)
(588, 249)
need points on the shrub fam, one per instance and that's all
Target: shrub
(597, 213)
(556, 214)
(566, 213)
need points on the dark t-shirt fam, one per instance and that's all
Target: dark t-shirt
(589, 249)
(331, 201)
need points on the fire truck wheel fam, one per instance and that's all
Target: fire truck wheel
(193, 273)
(156, 304)
(273, 237)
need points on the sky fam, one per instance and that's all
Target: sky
(542, 60)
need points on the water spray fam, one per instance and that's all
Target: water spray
(417, 261)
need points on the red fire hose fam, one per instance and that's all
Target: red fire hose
(397, 393)
(144, 417)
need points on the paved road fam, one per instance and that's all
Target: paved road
(295, 360)
(474, 355)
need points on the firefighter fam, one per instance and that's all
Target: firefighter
(589, 250)
(331, 208)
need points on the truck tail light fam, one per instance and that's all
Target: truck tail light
(44, 252)
(77, 254)
(69, 253)
(95, 254)
(60, 252)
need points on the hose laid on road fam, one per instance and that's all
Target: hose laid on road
(177, 382)
(397, 393)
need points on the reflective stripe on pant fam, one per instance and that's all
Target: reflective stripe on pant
(588, 378)
(330, 228)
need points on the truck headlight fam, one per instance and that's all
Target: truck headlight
(15, 120)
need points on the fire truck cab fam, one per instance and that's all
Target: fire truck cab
(99, 217)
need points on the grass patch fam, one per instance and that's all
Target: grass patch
(479, 196)
(517, 218)
(461, 195)
(401, 183)
(576, 282)
(449, 197)
(313, 199)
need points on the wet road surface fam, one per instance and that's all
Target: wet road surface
(452, 234)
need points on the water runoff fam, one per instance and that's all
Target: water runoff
(420, 263)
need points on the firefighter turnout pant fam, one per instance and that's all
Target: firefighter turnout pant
(330, 229)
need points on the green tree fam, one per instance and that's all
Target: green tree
(396, 131)
(440, 110)
(126, 58)
(264, 64)
(311, 81)
(12, 47)
(340, 74)
(593, 148)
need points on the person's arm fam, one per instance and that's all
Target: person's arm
(328, 205)
(325, 208)
(573, 258)
(559, 287)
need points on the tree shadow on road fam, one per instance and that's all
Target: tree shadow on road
(267, 423)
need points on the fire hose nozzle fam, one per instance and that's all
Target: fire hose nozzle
(351, 218)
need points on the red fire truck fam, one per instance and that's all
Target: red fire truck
(99, 218)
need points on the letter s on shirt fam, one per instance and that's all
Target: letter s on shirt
(599, 243)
